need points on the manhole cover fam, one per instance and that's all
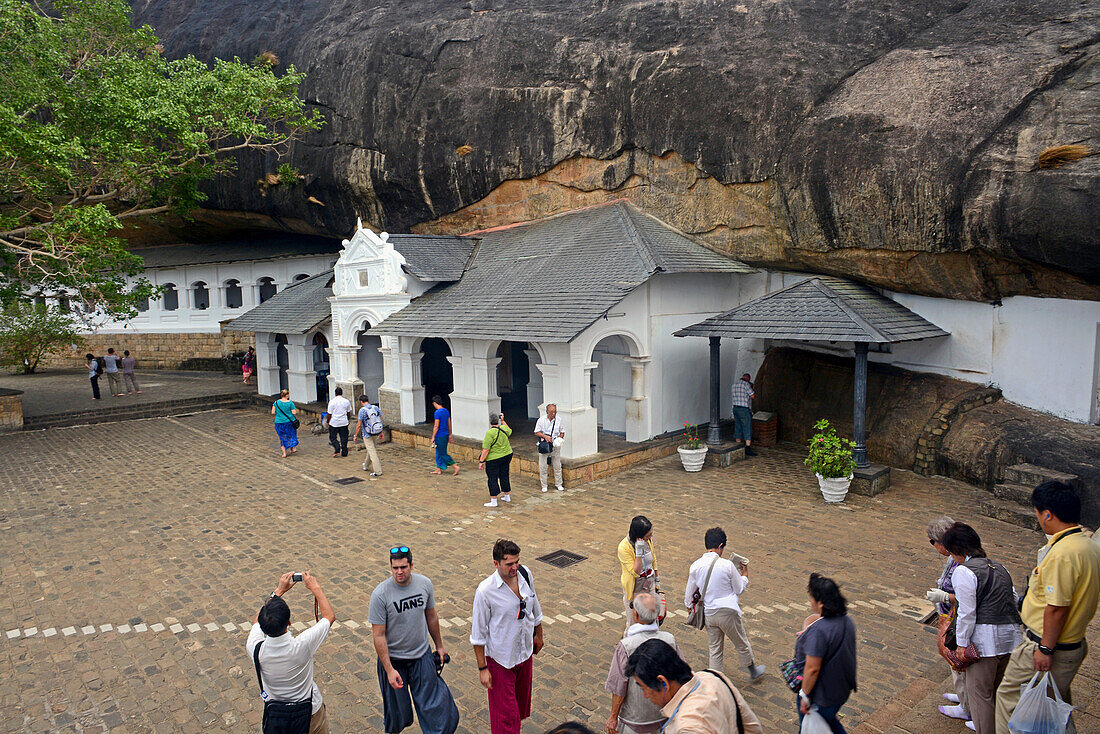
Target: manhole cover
(348, 480)
(561, 558)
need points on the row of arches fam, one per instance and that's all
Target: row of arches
(232, 290)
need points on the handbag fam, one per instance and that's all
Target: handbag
(791, 670)
(281, 717)
(544, 446)
(293, 421)
(697, 617)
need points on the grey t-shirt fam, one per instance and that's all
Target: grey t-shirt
(401, 609)
(112, 363)
(833, 639)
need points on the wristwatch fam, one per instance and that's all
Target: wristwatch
(273, 595)
(1046, 650)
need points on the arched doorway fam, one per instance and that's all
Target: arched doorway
(436, 372)
(513, 379)
(282, 359)
(320, 366)
(610, 383)
(371, 372)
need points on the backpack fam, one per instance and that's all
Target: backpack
(373, 426)
(101, 363)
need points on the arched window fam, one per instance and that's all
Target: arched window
(171, 297)
(40, 301)
(142, 305)
(267, 288)
(64, 304)
(234, 298)
(300, 276)
(201, 296)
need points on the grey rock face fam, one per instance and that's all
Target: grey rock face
(899, 139)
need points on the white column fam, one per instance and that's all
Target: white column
(250, 296)
(344, 371)
(267, 364)
(566, 377)
(301, 377)
(638, 413)
(534, 384)
(475, 393)
(410, 387)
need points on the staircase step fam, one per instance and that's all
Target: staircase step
(1031, 475)
(1018, 493)
(1010, 512)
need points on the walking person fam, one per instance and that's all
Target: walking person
(441, 436)
(717, 583)
(285, 414)
(248, 365)
(1061, 599)
(943, 596)
(506, 632)
(93, 373)
(284, 663)
(128, 365)
(551, 434)
(638, 562)
(986, 617)
(742, 394)
(496, 459)
(338, 409)
(631, 711)
(825, 652)
(368, 425)
(114, 377)
(403, 623)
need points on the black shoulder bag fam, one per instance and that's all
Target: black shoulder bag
(544, 446)
(293, 421)
(281, 717)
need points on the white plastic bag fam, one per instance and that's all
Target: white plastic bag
(814, 723)
(1038, 713)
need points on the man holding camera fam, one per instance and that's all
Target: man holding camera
(402, 617)
(284, 663)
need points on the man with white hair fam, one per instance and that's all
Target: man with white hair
(631, 712)
(549, 429)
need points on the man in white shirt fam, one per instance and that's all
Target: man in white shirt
(506, 632)
(549, 428)
(719, 598)
(285, 662)
(338, 409)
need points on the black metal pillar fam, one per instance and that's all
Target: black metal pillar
(713, 434)
(859, 410)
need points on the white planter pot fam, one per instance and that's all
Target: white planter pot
(834, 489)
(692, 459)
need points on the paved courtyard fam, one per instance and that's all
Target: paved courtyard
(134, 554)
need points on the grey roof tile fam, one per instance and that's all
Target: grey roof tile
(435, 257)
(255, 246)
(297, 309)
(820, 309)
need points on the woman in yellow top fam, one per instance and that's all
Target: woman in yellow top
(638, 561)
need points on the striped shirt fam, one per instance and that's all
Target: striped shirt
(742, 393)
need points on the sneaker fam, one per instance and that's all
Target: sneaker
(364, 466)
(491, 503)
(970, 726)
(756, 672)
(951, 697)
(506, 497)
(561, 488)
(375, 474)
(544, 489)
(955, 712)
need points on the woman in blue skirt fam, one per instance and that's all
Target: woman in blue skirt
(284, 411)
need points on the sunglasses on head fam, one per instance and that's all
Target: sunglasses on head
(522, 609)
(931, 542)
(399, 549)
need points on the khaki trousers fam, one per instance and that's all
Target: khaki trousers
(130, 380)
(1021, 668)
(114, 379)
(544, 462)
(372, 455)
(982, 678)
(727, 623)
(318, 723)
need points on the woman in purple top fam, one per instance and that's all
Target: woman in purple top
(943, 596)
(248, 365)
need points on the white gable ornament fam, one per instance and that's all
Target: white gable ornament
(369, 265)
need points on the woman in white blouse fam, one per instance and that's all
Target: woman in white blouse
(986, 617)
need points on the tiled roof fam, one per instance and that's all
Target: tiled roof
(820, 309)
(297, 309)
(549, 279)
(256, 246)
(435, 257)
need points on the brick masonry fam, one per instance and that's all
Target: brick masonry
(931, 439)
(162, 351)
(11, 410)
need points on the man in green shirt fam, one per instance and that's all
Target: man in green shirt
(496, 456)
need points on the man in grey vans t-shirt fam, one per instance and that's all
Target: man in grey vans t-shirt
(402, 617)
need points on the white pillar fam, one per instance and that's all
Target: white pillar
(267, 363)
(409, 387)
(638, 413)
(344, 371)
(534, 384)
(566, 377)
(301, 377)
(475, 393)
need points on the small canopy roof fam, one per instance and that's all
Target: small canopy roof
(297, 309)
(820, 309)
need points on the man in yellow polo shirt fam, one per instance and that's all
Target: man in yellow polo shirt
(1061, 599)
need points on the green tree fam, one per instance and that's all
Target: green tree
(97, 127)
(32, 331)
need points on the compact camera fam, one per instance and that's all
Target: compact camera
(296, 577)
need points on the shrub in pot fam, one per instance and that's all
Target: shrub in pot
(830, 457)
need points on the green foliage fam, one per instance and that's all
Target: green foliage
(98, 127)
(830, 455)
(691, 437)
(30, 332)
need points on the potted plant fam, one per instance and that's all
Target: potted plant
(831, 459)
(692, 451)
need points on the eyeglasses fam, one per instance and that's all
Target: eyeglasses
(522, 609)
(399, 549)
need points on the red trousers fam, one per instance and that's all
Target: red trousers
(510, 696)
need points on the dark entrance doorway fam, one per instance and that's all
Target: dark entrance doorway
(282, 359)
(320, 366)
(436, 373)
(513, 377)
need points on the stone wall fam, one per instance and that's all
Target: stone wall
(11, 410)
(186, 351)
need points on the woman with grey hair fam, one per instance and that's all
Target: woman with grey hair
(496, 458)
(943, 596)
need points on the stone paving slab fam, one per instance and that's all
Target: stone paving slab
(135, 554)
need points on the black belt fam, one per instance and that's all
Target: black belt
(1061, 646)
